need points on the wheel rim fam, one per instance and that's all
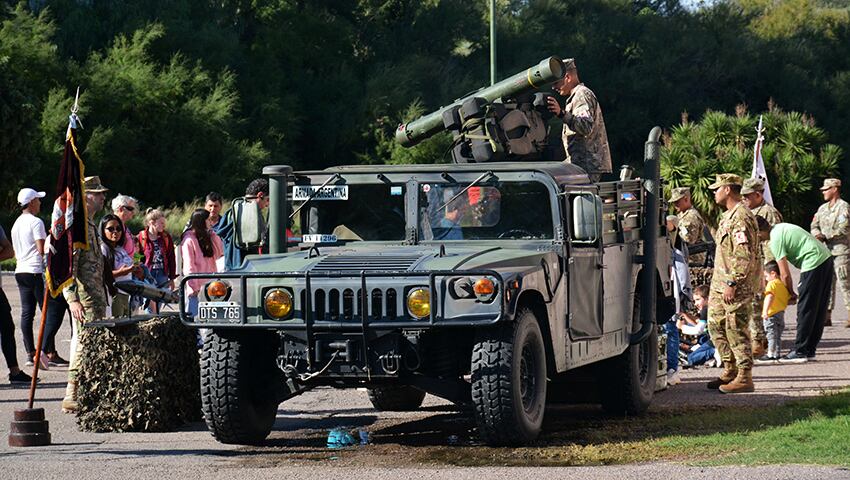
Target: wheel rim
(528, 377)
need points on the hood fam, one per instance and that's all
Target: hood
(371, 257)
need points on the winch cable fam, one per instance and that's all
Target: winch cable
(289, 370)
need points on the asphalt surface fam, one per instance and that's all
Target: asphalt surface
(193, 453)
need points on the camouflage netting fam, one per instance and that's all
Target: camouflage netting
(140, 378)
(701, 275)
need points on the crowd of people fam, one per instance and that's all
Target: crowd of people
(116, 254)
(741, 313)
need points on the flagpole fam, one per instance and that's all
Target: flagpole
(38, 352)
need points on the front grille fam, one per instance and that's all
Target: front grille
(368, 263)
(333, 305)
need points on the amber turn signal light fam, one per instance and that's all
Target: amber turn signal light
(217, 290)
(484, 289)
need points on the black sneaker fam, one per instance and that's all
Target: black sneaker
(794, 357)
(765, 360)
(57, 361)
(19, 378)
(811, 358)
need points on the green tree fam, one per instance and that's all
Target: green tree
(795, 152)
(29, 68)
(161, 132)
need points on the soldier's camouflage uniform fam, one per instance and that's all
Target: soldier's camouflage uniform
(584, 136)
(88, 288)
(691, 225)
(834, 223)
(772, 215)
(736, 260)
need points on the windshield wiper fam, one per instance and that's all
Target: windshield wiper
(484, 175)
(335, 176)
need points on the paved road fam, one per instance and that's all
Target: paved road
(192, 453)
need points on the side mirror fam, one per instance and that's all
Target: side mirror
(249, 224)
(587, 218)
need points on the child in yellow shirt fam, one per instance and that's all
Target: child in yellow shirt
(776, 298)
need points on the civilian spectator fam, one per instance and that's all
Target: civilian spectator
(213, 204)
(28, 236)
(119, 263)
(7, 326)
(125, 207)
(200, 248)
(158, 248)
(791, 244)
(257, 191)
(697, 326)
(776, 298)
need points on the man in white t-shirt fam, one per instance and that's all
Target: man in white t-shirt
(28, 236)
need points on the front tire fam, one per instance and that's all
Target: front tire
(237, 391)
(509, 381)
(399, 398)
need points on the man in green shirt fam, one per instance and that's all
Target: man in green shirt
(791, 244)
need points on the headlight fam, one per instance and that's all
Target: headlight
(419, 302)
(218, 290)
(484, 289)
(278, 303)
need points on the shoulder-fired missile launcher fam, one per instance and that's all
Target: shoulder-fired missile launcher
(503, 122)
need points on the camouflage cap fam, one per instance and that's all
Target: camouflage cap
(830, 182)
(679, 193)
(752, 185)
(569, 64)
(93, 185)
(724, 179)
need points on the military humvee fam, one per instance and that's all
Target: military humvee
(493, 285)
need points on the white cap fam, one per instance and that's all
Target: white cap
(26, 195)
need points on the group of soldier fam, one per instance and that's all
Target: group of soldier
(735, 299)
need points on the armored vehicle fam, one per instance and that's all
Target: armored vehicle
(493, 284)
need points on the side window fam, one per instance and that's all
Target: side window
(586, 214)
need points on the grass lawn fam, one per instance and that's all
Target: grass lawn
(814, 431)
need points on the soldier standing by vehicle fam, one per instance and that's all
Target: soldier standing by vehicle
(584, 136)
(691, 223)
(831, 225)
(86, 296)
(753, 193)
(731, 298)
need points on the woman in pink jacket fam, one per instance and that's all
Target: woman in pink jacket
(200, 247)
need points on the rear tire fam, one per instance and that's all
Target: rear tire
(628, 380)
(399, 398)
(509, 381)
(237, 390)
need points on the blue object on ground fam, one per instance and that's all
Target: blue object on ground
(339, 438)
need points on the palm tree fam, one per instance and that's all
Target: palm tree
(795, 153)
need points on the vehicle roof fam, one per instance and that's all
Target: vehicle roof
(561, 172)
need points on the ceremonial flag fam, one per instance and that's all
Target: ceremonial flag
(758, 163)
(68, 229)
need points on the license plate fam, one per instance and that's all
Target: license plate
(219, 312)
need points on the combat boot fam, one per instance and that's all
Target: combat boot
(729, 374)
(69, 403)
(828, 321)
(743, 383)
(758, 348)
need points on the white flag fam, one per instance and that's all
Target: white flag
(758, 163)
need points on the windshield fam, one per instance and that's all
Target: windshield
(371, 212)
(506, 210)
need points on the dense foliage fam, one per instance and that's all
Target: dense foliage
(183, 96)
(795, 157)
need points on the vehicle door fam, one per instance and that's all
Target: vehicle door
(584, 253)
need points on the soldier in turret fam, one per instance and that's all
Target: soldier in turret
(753, 193)
(730, 300)
(584, 136)
(831, 225)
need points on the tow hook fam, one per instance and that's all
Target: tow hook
(390, 362)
